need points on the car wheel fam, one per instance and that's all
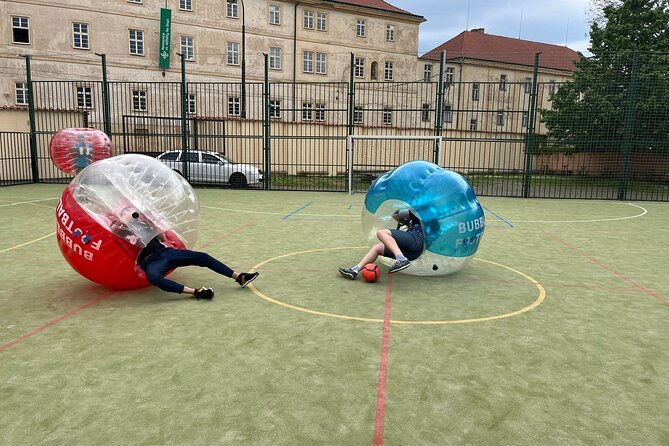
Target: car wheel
(237, 180)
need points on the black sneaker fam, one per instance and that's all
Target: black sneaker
(245, 278)
(399, 265)
(204, 293)
(348, 273)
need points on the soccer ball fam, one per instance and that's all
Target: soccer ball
(370, 272)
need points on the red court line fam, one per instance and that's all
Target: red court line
(611, 270)
(67, 315)
(229, 233)
(382, 388)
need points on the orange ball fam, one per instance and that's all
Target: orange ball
(370, 272)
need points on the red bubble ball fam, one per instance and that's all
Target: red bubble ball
(72, 149)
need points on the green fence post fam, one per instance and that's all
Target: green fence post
(351, 96)
(628, 129)
(106, 114)
(31, 119)
(438, 124)
(530, 136)
(184, 117)
(267, 178)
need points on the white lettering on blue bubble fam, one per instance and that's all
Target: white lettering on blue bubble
(471, 225)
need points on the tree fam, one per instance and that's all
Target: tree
(621, 93)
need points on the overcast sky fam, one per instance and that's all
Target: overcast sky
(560, 22)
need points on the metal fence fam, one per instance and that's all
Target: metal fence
(516, 139)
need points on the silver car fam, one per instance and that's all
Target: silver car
(212, 167)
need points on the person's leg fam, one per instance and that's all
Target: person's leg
(386, 237)
(186, 257)
(372, 254)
(157, 267)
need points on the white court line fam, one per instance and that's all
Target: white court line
(273, 213)
(594, 220)
(26, 202)
(27, 243)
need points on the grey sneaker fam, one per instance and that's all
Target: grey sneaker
(399, 265)
(245, 278)
(204, 293)
(348, 273)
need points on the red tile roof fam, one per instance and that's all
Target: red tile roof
(376, 4)
(478, 45)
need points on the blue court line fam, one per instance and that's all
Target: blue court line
(498, 216)
(296, 211)
(350, 206)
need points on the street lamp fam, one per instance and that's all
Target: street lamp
(243, 60)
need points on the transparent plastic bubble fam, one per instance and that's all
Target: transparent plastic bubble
(453, 219)
(73, 149)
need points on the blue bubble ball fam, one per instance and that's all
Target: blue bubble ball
(452, 217)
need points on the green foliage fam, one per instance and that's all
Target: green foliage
(612, 100)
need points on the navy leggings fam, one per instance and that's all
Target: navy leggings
(158, 264)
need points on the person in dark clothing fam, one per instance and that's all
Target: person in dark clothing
(402, 245)
(157, 257)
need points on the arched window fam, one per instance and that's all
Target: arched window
(374, 70)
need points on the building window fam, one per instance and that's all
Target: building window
(390, 33)
(192, 104)
(357, 115)
(275, 109)
(80, 36)
(186, 5)
(527, 85)
(136, 42)
(187, 48)
(307, 113)
(473, 125)
(321, 64)
(308, 20)
(84, 97)
(275, 15)
(450, 75)
(234, 106)
(139, 100)
(320, 112)
(139, 2)
(232, 9)
(20, 30)
(274, 58)
(525, 119)
(360, 28)
(308, 62)
(321, 22)
(502, 82)
(427, 73)
(447, 112)
(425, 113)
(388, 71)
(476, 87)
(21, 93)
(387, 116)
(374, 70)
(233, 53)
(500, 117)
(359, 69)
(551, 88)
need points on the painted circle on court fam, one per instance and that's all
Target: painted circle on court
(538, 301)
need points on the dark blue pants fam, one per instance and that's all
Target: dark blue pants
(409, 242)
(160, 263)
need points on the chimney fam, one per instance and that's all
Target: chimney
(479, 30)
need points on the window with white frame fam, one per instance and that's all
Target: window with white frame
(233, 53)
(84, 97)
(275, 58)
(360, 28)
(275, 15)
(80, 36)
(387, 116)
(425, 113)
(502, 82)
(388, 71)
(500, 117)
(139, 100)
(136, 42)
(476, 88)
(308, 20)
(449, 75)
(192, 104)
(21, 89)
(320, 112)
(186, 5)
(359, 67)
(20, 30)
(447, 113)
(427, 72)
(308, 62)
(188, 48)
(358, 116)
(321, 21)
(390, 33)
(473, 125)
(307, 111)
(139, 2)
(275, 109)
(321, 63)
(234, 106)
(527, 85)
(232, 9)
(525, 119)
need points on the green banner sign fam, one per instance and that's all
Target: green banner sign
(165, 30)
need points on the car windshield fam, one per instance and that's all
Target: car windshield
(220, 155)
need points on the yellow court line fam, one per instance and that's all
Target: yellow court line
(27, 243)
(540, 298)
